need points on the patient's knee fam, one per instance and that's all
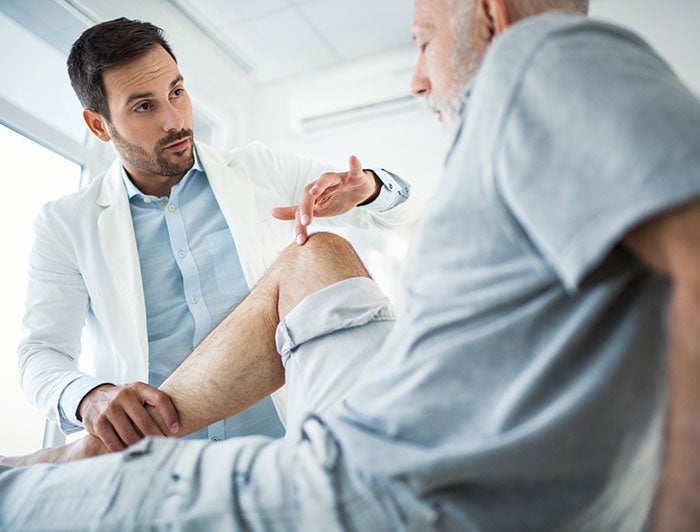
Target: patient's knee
(329, 245)
(323, 260)
(330, 254)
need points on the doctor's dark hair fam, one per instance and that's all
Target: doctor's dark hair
(104, 46)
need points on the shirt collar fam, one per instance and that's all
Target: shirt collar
(465, 96)
(132, 190)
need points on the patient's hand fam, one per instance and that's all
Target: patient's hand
(332, 194)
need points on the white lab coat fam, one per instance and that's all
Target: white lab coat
(84, 264)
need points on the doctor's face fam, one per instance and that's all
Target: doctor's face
(151, 117)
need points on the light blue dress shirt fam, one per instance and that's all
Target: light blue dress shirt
(192, 279)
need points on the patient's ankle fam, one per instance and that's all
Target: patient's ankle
(77, 450)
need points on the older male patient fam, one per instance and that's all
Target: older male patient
(523, 387)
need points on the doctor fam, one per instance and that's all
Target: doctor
(154, 253)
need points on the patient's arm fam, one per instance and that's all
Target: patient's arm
(237, 365)
(671, 244)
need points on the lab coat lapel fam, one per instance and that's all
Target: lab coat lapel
(117, 231)
(233, 191)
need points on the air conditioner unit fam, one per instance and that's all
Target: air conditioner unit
(311, 121)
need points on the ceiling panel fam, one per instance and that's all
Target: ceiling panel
(223, 13)
(279, 44)
(361, 27)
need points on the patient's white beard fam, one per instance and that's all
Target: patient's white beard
(448, 106)
(465, 62)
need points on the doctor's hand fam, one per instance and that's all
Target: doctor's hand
(332, 194)
(117, 415)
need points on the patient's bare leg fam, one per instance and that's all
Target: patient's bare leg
(237, 365)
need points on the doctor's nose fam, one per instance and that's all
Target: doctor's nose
(173, 118)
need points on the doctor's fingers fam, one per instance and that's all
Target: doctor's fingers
(292, 213)
(306, 206)
(164, 406)
(300, 229)
(106, 432)
(284, 213)
(314, 192)
(147, 423)
(125, 430)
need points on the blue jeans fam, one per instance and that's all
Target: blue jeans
(299, 483)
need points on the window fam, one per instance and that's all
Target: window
(32, 175)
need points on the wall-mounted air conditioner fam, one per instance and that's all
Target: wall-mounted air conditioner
(314, 119)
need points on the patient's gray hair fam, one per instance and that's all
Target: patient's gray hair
(532, 7)
(465, 57)
(464, 63)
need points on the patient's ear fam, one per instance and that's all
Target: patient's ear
(97, 124)
(493, 17)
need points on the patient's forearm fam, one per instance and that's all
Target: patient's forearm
(678, 499)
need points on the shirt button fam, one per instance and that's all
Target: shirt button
(147, 200)
(194, 299)
(214, 440)
(171, 208)
(182, 254)
(391, 187)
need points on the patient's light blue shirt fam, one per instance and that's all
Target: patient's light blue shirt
(192, 279)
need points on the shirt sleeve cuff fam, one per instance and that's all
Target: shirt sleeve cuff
(70, 398)
(394, 191)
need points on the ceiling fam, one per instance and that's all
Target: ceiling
(268, 40)
(282, 38)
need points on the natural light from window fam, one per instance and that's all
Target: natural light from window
(32, 175)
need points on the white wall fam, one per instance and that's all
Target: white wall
(670, 26)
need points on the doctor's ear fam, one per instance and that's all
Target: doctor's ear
(97, 124)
